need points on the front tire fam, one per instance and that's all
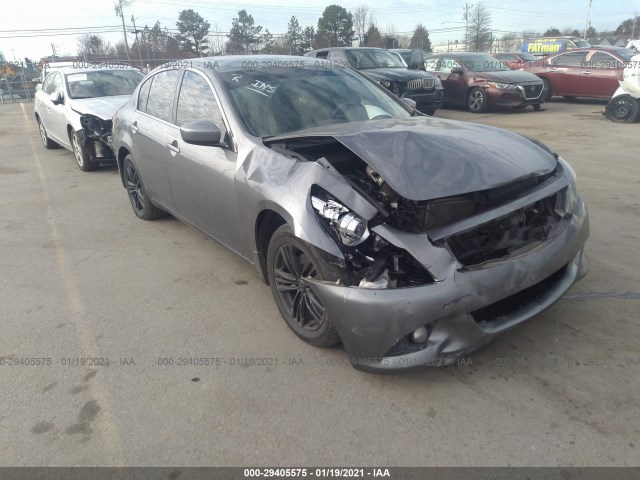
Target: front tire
(477, 101)
(622, 109)
(83, 159)
(140, 201)
(536, 106)
(46, 141)
(289, 260)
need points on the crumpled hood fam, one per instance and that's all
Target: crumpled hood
(103, 107)
(511, 76)
(427, 158)
(394, 74)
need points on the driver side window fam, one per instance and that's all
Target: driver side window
(197, 102)
(48, 86)
(447, 64)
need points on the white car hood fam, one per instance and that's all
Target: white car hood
(103, 107)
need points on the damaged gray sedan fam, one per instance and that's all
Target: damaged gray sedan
(411, 240)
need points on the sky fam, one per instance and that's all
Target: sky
(22, 25)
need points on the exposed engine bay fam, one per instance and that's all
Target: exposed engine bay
(374, 262)
(96, 131)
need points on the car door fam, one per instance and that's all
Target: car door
(600, 74)
(454, 84)
(43, 101)
(564, 72)
(202, 176)
(149, 128)
(58, 116)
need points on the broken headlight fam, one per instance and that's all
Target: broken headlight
(349, 227)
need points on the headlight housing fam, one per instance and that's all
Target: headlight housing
(502, 86)
(348, 226)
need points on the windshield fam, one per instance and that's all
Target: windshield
(482, 63)
(102, 83)
(527, 57)
(363, 59)
(277, 101)
(582, 43)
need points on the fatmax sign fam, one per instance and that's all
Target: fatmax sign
(547, 45)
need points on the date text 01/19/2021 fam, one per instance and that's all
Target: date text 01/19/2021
(316, 472)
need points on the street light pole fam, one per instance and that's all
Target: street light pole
(586, 25)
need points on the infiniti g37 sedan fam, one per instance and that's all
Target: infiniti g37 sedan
(74, 109)
(409, 239)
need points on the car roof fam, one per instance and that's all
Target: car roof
(71, 70)
(596, 47)
(228, 63)
(345, 48)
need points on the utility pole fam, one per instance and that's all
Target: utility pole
(53, 52)
(466, 26)
(633, 29)
(135, 30)
(120, 13)
(586, 25)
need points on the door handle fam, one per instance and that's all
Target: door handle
(134, 128)
(173, 147)
(587, 72)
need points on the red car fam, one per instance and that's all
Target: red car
(516, 60)
(480, 82)
(583, 72)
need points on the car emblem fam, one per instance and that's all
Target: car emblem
(532, 88)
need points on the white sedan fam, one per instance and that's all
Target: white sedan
(74, 109)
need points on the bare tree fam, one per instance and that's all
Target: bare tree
(217, 40)
(362, 19)
(479, 28)
(509, 42)
(94, 47)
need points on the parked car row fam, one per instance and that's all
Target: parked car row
(410, 239)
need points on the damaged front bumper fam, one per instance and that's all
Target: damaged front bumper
(96, 137)
(465, 309)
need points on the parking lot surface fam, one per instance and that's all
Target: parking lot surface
(82, 278)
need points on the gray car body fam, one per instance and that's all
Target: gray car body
(230, 194)
(61, 118)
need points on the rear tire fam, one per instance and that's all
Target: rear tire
(289, 260)
(546, 95)
(46, 141)
(477, 101)
(140, 201)
(622, 109)
(81, 154)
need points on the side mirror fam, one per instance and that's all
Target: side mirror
(416, 59)
(201, 132)
(38, 87)
(457, 71)
(56, 98)
(410, 103)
